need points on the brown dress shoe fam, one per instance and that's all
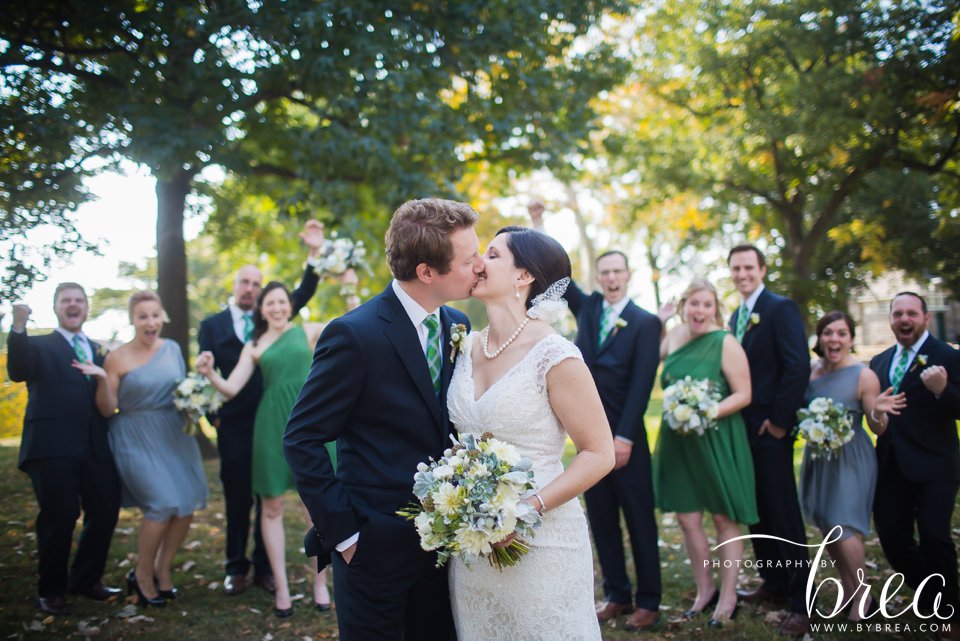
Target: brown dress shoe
(761, 595)
(266, 582)
(610, 610)
(642, 619)
(52, 605)
(795, 624)
(235, 584)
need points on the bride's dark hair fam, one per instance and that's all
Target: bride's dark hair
(539, 254)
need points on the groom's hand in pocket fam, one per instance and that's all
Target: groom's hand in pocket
(348, 553)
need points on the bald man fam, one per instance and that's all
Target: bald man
(224, 334)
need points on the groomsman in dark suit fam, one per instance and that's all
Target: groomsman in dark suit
(771, 331)
(918, 455)
(224, 334)
(620, 343)
(65, 452)
(378, 387)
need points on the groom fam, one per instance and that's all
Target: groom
(378, 387)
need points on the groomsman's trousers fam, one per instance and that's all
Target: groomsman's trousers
(63, 486)
(898, 505)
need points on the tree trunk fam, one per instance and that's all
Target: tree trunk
(172, 270)
(588, 253)
(172, 257)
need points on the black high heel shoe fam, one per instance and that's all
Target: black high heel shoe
(283, 613)
(712, 603)
(142, 599)
(170, 594)
(719, 623)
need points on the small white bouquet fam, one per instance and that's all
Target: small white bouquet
(472, 498)
(826, 425)
(340, 254)
(691, 405)
(195, 396)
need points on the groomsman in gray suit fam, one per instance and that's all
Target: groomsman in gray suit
(919, 457)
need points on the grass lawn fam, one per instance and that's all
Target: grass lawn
(204, 612)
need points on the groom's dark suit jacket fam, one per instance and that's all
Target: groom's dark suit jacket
(369, 389)
(624, 368)
(62, 420)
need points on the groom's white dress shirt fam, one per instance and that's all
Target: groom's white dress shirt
(752, 299)
(416, 313)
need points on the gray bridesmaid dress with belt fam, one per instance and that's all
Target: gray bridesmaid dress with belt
(839, 490)
(159, 465)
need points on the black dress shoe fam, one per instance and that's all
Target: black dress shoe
(718, 623)
(234, 584)
(52, 605)
(283, 613)
(265, 581)
(712, 603)
(142, 599)
(98, 592)
(170, 594)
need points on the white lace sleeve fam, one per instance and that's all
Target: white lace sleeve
(550, 351)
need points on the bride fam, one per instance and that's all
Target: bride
(528, 386)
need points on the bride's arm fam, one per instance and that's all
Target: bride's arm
(575, 401)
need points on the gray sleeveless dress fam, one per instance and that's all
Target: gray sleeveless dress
(159, 465)
(839, 490)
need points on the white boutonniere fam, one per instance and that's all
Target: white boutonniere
(754, 320)
(920, 360)
(618, 325)
(458, 340)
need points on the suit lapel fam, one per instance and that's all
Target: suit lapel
(402, 335)
(884, 365)
(758, 309)
(446, 352)
(226, 324)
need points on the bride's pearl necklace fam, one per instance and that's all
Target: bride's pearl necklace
(506, 344)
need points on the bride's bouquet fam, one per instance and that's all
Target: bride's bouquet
(340, 254)
(195, 397)
(473, 497)
(691, 406)
(826, 425)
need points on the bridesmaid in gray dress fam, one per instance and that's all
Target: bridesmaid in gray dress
(839, 490)
(159, 465)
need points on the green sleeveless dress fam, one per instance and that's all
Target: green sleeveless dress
(284, 366)
(710, 473)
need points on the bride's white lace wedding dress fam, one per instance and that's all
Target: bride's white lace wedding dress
(548, 595)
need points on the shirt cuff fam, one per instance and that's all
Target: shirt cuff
(624, 439)
(313, 261)
(343, 545)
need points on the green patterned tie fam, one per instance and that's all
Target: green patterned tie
(900, 370)
(743, 316)
(606, 324)
(433, 350)
(247, 327)
(79, 350)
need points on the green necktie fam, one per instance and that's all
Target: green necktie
(247, 327)
(743, 316)
(900, 370)
(433, 350)
(79, 350)
(606, 324)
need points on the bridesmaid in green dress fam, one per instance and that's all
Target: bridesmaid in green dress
(283, 352)
(714, 472)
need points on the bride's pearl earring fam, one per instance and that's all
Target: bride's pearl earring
(516, 288)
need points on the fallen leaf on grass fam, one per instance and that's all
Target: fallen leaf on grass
(774, 616)
(126, 611)
(48, 620)
(35, 626)
(188, 565)
(213, 585)
(193, 545)
(139, 618)
(84, 628)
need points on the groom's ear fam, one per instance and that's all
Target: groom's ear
(426, 273)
